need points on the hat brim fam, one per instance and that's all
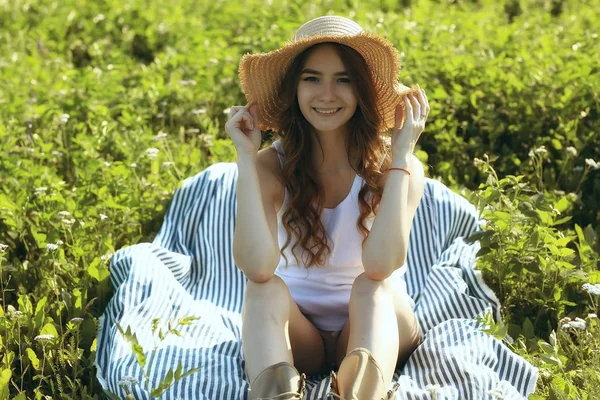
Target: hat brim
(261, 74)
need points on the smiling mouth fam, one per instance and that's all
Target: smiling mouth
(327, 112)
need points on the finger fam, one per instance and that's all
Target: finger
(253, 110)
(423, 103)
(234, 110)
(243, 118)
(409, 109)
(415, 106)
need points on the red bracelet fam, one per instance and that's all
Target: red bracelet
(401, 169)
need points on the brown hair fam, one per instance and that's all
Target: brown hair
(364, 143)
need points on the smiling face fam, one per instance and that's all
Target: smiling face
(325, 93)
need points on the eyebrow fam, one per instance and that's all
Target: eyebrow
(312, 71)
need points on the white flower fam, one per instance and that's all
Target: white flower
(64, 118)
(592, 316)
(152, 152)
(593, 164)
(68, 222)
(572, 150)
(51, 247)
(102, 217)
(541, 150)
(63, 214)
(496, 393)
(200, 111)
(60, 243)
(133, 165)
(16, 313)
(41, 190)
(160, 136)
(578, 323)
(43, 337)
(592, 289)
(3, 247)
(564, 321)
(127, 380)
(167, 164)
(106, 164)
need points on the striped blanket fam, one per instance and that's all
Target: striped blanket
(188, 270)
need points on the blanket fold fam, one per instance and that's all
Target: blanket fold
(188, 270)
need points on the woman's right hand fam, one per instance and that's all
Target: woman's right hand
(242, 127)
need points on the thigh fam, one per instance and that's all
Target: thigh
(305, 340)
(408, 327)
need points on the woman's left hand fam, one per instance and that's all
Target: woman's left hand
(405, 136)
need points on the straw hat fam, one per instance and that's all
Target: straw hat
(261, 74)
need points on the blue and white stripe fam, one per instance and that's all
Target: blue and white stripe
(189, 270)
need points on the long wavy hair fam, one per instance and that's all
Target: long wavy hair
(367, 144)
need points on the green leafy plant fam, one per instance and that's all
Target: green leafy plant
(172, 376)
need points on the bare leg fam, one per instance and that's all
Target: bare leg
(274, 330)
(382, 321)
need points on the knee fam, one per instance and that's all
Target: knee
(363, 285)
(269, 290)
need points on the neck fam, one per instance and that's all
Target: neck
(333, 156)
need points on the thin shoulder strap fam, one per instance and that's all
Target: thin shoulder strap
(279, 150)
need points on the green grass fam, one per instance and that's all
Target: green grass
(106, 106)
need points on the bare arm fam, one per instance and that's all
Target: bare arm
(255, 243)
(386, 246)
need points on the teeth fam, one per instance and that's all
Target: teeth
(326, 111)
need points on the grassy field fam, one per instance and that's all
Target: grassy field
(106, 106)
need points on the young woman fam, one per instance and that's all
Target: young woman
(324, 214)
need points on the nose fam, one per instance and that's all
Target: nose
(328, 92)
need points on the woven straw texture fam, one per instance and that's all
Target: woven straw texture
(261, 74)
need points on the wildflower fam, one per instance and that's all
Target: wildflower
(592, 316)
(127, 380)
(102, 217)
(106, 257)
(199, 111)
(206, 138)
(16, 313)
(63, 214)
(3, 247)
(160, 136)
(64, 118)
(572, 151)
(593, 164)
(68, 222)
(51, 247)
(578, 323)
(592, 289)
(106, 164)
(41, 190)
(541, 150)
(496, 393)
(152, 152)
(133, 165)
(167, 164)
(60, 243)
(43, 337)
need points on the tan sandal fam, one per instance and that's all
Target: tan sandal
(279, 382)
(360, 368)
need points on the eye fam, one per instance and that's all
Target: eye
(310, 79)
(344, 80)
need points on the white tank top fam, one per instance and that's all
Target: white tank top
(323, 292)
